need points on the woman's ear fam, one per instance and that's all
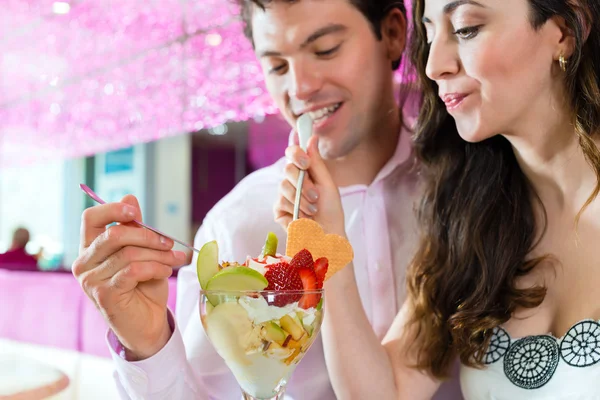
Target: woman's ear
(565, 38)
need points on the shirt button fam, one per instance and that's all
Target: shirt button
(377, 266)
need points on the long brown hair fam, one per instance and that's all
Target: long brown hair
(477, 212)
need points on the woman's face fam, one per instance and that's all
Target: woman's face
(495, 72)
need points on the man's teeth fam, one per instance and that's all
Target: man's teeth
(323, 112)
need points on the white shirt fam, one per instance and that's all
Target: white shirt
(381, 228)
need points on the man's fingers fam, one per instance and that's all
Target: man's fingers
(141, 271)
(115, 238)
(133, 201)
(95, 219)
(129, 258)
(131, 255)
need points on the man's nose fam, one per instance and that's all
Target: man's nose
(304, 81)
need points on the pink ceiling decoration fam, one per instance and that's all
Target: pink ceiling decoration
(81, 77)
(117, 72)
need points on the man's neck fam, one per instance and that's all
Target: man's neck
(362, 165)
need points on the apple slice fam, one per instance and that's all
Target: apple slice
(309, 329)
(207, 264)
(274, 333)
(235, 279)
(270, 247)
(291, 327)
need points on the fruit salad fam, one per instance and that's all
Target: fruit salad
(262, 315)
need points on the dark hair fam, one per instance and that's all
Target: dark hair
(477, 212)
(373, 10)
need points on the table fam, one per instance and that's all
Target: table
(23, 378)
(89, 377)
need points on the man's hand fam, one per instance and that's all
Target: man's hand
(124, 269)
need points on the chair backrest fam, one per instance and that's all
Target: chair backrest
(49, 308)
(40, 307)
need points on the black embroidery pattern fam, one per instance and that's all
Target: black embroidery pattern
(531, 362)
(498, 346)
(581, 345)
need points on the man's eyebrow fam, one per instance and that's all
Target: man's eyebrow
(319, 33)
(326, 30)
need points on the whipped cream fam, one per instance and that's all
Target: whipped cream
(261, 266)
(260, 311)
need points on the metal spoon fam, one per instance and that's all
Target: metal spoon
(97, 199)
(304, 127)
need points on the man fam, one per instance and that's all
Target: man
(332, 59)
(17, 258)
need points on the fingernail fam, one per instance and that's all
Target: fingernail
(179, 255)
(129, 211)
(303, 163)
(163, 240)
(312, 194)
(312, 208)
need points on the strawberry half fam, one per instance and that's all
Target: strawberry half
(284, 276)
(310, 282)
(320, 267)
(302, 259)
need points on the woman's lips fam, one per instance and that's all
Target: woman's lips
(453, 100)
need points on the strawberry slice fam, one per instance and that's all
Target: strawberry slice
(302, 259)
(320, 266)
(284, 276)
(310, 282)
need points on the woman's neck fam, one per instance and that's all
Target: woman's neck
(549, 154)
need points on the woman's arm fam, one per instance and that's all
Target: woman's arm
(360, 366)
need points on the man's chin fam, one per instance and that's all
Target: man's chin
(327, 150)
(332, 153)
(333, 148)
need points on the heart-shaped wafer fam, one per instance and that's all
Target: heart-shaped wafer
(305, 233)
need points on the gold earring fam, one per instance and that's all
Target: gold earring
(562, 61)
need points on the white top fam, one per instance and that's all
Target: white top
(538, 367)
(381, 228)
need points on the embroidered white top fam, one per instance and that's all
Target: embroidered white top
(538, 367)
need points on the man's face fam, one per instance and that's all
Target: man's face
(323, 58)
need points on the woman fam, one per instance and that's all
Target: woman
(507, 268)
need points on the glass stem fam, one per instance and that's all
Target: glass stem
(279, 396)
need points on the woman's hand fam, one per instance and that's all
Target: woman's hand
(320, 199)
